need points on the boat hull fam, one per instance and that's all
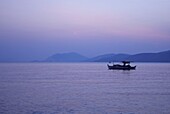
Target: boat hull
(114, 67)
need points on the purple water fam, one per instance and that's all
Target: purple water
(83, 88)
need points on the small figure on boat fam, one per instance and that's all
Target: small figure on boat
(126, 66)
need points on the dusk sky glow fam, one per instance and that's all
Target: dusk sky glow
(35, 29)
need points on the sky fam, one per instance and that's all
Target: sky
(36, 29)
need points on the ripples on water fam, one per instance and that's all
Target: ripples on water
(83, 88)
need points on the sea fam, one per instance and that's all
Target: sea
(84, 88)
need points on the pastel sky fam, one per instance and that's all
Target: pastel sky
(35, 29)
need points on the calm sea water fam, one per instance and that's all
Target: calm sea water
(83, 88)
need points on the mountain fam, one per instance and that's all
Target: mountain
(66, 57)
(109, 57)
(151, 57)
(141, 57)
(105, 57)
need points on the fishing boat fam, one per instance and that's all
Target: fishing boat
(126, 66)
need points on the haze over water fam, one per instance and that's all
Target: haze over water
(83, 88)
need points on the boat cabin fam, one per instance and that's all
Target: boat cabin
(126, 66)
(125, 63)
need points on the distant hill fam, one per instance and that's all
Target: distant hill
(151, 57)
(141, 57)
(109, 57)
(66, 57)
(105, 57)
